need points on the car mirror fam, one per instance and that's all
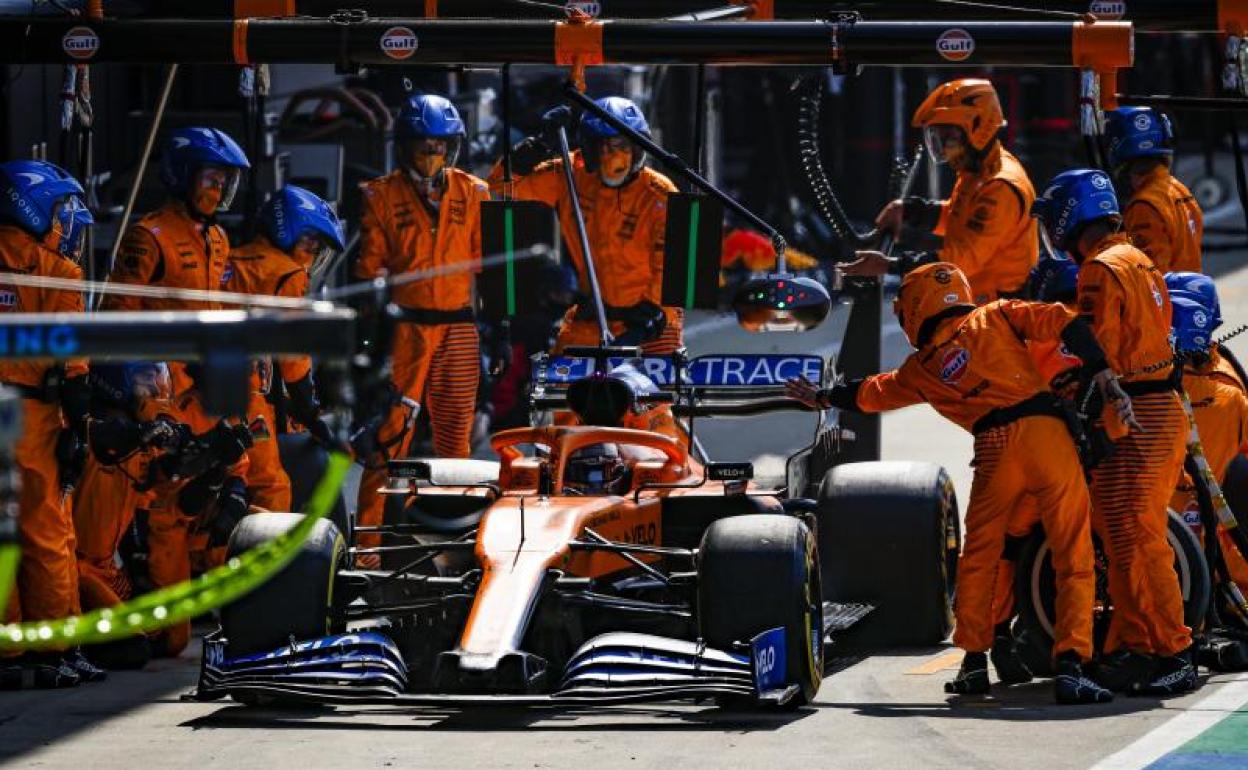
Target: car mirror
(781, 302)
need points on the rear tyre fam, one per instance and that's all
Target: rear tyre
(296, 602)
(889, 536)
(759, 572)
(1035, 593)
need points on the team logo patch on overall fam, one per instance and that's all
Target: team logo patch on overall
(259, 428)
(955, 44)
(80, 43)
(227, 274)
(953, 365)
(8, 301)
(399, 43)
(1108, 10)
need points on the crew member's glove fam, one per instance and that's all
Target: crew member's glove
(643, 322)
(306, 409)
(500, 350)
(231, 508)
(164, 434)
(527, 153)
(228, 443)
(114, 439)
(843, 395)
(556, 118)
(71, 457)
(1106, 380)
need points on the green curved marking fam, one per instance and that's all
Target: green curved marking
(10, 554)
(174, 604)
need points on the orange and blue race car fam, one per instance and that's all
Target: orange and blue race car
(599, 563)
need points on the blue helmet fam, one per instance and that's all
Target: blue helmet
(1053, 279)
(593, 130)
(36, 196)
(1072, 200)
(1191, 324)
(1137, 132)
(124, 384)
(1199, 287)
(190, 149)
(428, 116)
(294, 211)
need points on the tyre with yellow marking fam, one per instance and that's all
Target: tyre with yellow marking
(295, 603)
(757, 572)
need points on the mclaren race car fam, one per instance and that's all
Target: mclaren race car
(595, 562)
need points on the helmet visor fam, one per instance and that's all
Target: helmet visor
(314, 252)
(215, 188)
(429, 155)
(943, 142)
(73, 219)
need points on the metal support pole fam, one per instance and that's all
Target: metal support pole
(126, 213)
(677, 165)
(583, 237)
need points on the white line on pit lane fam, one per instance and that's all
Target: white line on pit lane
(1173, 733)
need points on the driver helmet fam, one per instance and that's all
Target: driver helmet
(597, 469)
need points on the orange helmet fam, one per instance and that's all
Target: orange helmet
(926, 291)
(971, 104)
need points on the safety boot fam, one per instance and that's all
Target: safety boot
(86, 670)
(1123, 670)
(972, 678)
(48, 671)
(1005, 659)
(1172, 675)
(1072, 686)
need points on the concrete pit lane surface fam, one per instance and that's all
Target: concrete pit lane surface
(885, 711)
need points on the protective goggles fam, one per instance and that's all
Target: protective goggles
(222, 178)
(321, 251)
(939, 137)
(432, 146)
(72, 220)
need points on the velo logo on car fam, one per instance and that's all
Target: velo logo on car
(770, 654)
(80, 43)
(399, 43)
(953, 365)
(1108, 10)
(955, 44)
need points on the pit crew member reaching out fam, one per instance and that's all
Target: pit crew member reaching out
(972, 365)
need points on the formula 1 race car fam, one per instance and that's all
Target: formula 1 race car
(600, 563)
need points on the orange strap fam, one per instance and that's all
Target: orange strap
(250, 8)
(578, 43)
(1233, 17)
(240, 41)
(431, 9)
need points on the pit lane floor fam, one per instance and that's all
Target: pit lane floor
(885, 711)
